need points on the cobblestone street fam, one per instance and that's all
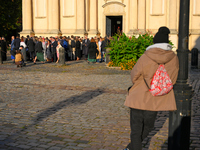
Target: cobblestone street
(76, 106)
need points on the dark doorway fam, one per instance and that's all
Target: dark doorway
(112, 25)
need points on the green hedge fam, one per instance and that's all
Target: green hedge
(125, 51)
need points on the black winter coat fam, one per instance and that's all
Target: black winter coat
(38, 47)
(78, 49)
(92, 50)
(3, 50)
(17, 43)
(31, 45)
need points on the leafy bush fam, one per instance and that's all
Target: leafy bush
(126, 51)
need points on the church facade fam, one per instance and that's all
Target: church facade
(104, 17)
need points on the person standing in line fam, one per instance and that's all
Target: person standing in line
(99, 52)
(17, 42)
(81, 47)
(69, 49)
(92, 51)
(143, 105)
(23, 49)
(58, 50)
(31, 48)
(3, 49)
(104, 44)
(44, 45)
(54, 44)
(66, 47)
(78, 49)
(73, 48)
(39, 51)
(12, 52)
(85, 45)
(49, 55)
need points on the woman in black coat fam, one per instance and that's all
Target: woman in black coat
(39, 51)
(49, 55)
(78, 49)
(31, 48)
(92, 51)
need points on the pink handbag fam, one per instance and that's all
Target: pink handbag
(161, 83)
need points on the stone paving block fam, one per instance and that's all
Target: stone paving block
(55, 148)
(24, 146)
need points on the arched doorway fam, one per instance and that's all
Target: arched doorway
(113, 24)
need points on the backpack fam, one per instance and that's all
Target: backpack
(65, 45)
(73, 44)
(161, 83)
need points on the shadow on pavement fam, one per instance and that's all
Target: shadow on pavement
(72, 101)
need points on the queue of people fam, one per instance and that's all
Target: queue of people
(33, 48)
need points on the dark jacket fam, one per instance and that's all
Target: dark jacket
(85, 46)
(104, 45)
(53, 47)
(31, 45)
(78, 49)
(38, 47)
(17, 43)
(4, 50)
(92, 50)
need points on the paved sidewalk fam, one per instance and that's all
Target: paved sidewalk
(77, 106)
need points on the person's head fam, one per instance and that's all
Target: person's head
(49, 42)
(21, 47)
(22, 39)
(27, 36)
(85, 37)
(162, 36)
(40, 39)
(92, 40)
(13, 37)
(58, 42)
(53, 39)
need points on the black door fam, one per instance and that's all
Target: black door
(113, 25)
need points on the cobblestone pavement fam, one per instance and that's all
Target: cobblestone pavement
(76, 106)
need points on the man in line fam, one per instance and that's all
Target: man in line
(53, 49)
(85, 45)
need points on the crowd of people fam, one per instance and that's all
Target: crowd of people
(33, 48)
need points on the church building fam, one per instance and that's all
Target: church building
(104, 17)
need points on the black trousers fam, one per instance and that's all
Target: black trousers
(141, 122)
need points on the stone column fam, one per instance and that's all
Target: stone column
(133, 16)
(27, 17)
(142, 16)
(80, 22)
(53, 17)
(93, 17)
